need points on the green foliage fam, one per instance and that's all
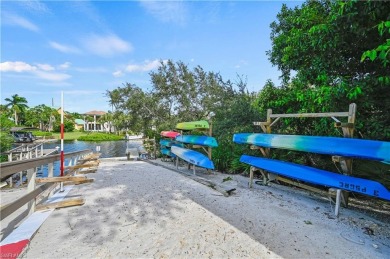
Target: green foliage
(323, 43)
(18, 106)
(100, 137)
(42, 133)
(68, 126)
(42, 117)
(6, 141)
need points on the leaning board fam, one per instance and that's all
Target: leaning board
(197, 140)
(193, 157)
(317, 176)
(349, 147)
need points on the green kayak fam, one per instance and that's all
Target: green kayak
(191, 125)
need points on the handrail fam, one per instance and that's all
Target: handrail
(20, 148)
(9, 168)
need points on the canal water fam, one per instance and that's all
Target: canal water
(107, 149)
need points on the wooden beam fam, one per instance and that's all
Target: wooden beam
(61, 204)
(311, 115)
(301, 185)
(344, 125)
(81, 166)
(87, 180)
(61, 179)
(88, 171)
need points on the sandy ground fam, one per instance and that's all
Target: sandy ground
(137, 209)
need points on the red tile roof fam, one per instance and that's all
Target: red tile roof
(95, 113)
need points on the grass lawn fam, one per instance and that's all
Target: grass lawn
(70, 135)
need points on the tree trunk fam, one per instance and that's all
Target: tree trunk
(16, 117)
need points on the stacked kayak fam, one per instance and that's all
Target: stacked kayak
(193, 157)
(173, 143)
(193, 125)
(197, 140)
(168, 141)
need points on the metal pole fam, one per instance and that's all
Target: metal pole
(62, 139)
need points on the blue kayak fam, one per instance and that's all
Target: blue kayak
(197, 140)
(348, 147)
(193, 157)
(318, 176)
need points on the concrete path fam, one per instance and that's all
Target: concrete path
(136, 209)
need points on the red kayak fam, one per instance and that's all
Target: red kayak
(169, 134)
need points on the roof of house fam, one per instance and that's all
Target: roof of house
(95, 113)
(14, 129)
(79, 121)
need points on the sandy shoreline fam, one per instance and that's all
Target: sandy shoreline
(136, 209)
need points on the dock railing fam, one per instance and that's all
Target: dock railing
(7, 169)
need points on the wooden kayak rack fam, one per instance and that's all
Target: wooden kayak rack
(344, 162)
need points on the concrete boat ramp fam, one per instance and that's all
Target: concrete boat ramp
(138, 209)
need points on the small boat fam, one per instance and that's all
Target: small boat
(197, 140)
(193, 125)
(167, 152)
(165, 142)
(318, 176)
(169, 134)
(335, 146)
(193, 157)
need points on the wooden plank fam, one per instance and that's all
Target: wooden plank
(82, 166)
(60, 179)
(301, 185)
(88, 171)
(61, 204)
(2, 184)
(87, 180)
(343, 124)
(88, 159)
(310, 115)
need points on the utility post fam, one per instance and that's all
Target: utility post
(210, 119)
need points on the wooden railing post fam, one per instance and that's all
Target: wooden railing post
(31, 176)
(50, 170)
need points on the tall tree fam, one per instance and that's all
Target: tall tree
(17, 104)
(322, 43)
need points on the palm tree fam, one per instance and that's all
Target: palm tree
(17, 104)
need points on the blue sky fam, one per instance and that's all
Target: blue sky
(84, 48)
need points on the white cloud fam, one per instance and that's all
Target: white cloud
(64, 66)
(43, 71)
(13, 19)
(16, 66)
(45, 67)
(170, 11)
(106, 46)
(146, 66)
(64, 48)
(34, 6)
(52, 76)
(118, 73)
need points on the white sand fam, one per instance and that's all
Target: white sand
(135, 209)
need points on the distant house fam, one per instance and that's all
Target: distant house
(95, 125)
(79, 124)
